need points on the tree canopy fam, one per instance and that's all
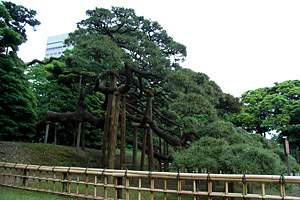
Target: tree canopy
(13, 23)
(270, 108)
(18, 104)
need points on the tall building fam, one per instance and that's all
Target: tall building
(56, 45)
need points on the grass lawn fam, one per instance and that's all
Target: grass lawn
(7, 193)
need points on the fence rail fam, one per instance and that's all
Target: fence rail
(92, 183)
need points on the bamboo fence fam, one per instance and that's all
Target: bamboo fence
(87, 182)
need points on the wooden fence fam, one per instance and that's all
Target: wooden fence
(92, 183)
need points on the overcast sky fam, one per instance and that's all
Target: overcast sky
(241, 45)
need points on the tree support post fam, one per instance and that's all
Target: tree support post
(55, 133)
(123, 134)
(78, 135)
(287, 152)
(150, 134)
(82, 136)
(182, 168)
(297, 155)
(47, 132)
(135, 148)
(166, 152)
(143, 150)
(159, 150)
(113, 131)
(74, 134)
(113, 83)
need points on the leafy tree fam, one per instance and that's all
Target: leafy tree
(12, 26)
(18, 104)
(270, 109)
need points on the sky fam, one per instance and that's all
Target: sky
(240, 44)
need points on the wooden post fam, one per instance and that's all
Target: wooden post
(64, 176)
(166, 152)
(150, 136)
(55, 133)
(123, 134)
(113, 84)
(135, 148)
(182, 168)
(25, 179)
(143, 150)
(159, 150)
(287, 153)
(79, 125)
(82, 136)
(197, 188)
(106, 131)
(78, 135)
(119, 181)
(113, 131)
(47, 132)
(74, 134)
(297, 155)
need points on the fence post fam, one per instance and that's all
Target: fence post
(244, 184)
(282, 189)
(64, 184)
(178, 185)
(209, 186)
(197, 188)
(119, 190)
(25, 178)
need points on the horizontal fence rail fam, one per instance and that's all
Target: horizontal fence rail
(92, 183)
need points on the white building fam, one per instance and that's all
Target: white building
(56, 45)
